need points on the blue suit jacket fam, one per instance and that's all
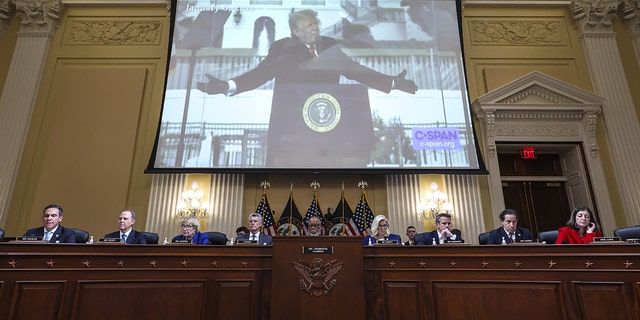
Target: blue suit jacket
(62, 234)
(263, 239)
(392, 236)
(496, 235)
(198, 238)
(133, 238)
(426, 238)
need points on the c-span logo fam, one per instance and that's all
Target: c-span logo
(321, 112)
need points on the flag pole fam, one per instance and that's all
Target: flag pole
(265, 185)
(290, 207)
(363, 185)
(343, 231)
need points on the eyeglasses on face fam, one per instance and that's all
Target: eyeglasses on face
(186, 227)
(383, 225)
(314, 226)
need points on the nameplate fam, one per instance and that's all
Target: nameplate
(383, 242)
(455, 242)
(525, 241)
(109, 240)
(606, 239)
(317, 250)
(180, 241)
(634, 240)
(29, 238)
(246, 241)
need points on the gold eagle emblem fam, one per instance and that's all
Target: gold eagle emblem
(317, 277)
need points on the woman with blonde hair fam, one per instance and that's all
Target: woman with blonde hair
(380, 231)
(190, 227)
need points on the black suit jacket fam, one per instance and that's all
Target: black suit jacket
(62, 234)
(133, 238)
(289, 61)
(426, 238)
(263, 239)
(496, 235)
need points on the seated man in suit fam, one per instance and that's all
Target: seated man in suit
(509, 232)
(52, 231)
(127, 235)
(442, 234)
(255, 228)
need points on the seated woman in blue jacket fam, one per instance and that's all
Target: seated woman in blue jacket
(190, 227)
(380, 231)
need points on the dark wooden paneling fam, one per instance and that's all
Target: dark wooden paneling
(533, 281)
(460, 299)
(404, 299)
(153, 299)
(234, 299)
(328, 295)
(603, 300)
(37, 300)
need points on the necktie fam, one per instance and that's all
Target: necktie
(124, 238)
(312, 49)
(512, 237)
(48, 235)
(253, 237)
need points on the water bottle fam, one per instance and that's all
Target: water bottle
(165, 241)
(90, 240)
(503, 241)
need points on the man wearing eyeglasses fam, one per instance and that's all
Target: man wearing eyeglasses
(126, 234)
(190, 232)
(315, 226)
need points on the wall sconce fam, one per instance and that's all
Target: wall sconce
(237, 16)
(190, 205)
(436, 203)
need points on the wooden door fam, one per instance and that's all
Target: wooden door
(542, 205)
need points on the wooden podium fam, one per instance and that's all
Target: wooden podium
(317, 278)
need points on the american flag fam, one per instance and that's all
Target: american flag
(268, 223)
(341, 217)
(314, 210)
(290, 222)
(361, 219)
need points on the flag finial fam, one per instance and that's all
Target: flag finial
(265, 185)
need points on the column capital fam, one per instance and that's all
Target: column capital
(38, 16)
(630, 13)
(594, 16)
(5, 12)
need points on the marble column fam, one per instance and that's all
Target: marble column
(630, 14)
(38, 21)
(593, 21)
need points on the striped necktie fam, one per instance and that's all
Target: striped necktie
(312, 49)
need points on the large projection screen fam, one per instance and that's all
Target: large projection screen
(350, 85)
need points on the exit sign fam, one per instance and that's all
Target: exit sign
(528, 153)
